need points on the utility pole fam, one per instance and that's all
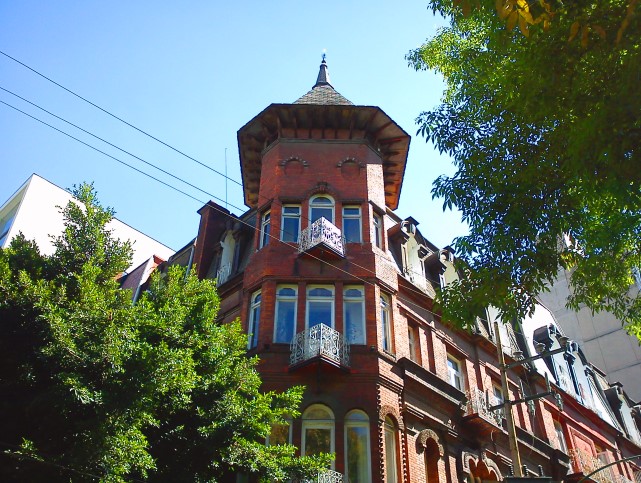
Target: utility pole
(511, 428)
(542, 351)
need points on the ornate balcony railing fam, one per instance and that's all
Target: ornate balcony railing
(319, 341)
(480, 403)
(327, 476)
(223, 273)
(322, 232)
(587, 463)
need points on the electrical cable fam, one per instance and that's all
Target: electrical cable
(220, 210)
(276, 202)
(114, 116)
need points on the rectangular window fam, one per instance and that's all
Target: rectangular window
(320, 306)
(386, 323)
(560, 437)
(352, 224)
(254, 321)
(378, 230)
(455, 374)
(354, 314)
(265, 227)
(280, 434)
(290, 224)
(414, 342)
(285, 320)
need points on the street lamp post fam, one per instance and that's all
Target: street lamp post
(507, 403)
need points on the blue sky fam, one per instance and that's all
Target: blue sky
(192, 74)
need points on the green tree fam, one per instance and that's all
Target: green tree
(93, 387)
(545, 133)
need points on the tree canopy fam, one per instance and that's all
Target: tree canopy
(95, 388)
(545, 133)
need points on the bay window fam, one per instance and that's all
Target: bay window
(285, 318)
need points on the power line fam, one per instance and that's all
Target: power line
(114, 116)
(276, 202)
(220, 210)
(152, 137)
(106, 142)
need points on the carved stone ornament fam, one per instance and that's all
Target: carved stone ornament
(388, 410)
(426, 435)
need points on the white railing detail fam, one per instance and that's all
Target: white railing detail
(321, 231)
(326, 476)
(480, 403)
(223, 273)
(320, 340)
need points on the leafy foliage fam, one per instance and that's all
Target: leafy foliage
(545, 135)
(96, 388)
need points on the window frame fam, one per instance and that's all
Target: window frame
(385, 310)
(314, 298)
(288, 423)
(318, 424)
(253, 325)
(265, 229)
(331, 205)
(284, 298)
(350, 300)
(357, 423)
(290, 216)
(359, 219)
(377, 223)
(455, 375)
(391, 451)
(414, 342)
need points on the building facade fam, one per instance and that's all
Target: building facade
(336, 293)
(601, 335)
(34, 210)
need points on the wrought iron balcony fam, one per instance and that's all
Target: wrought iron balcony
(479, 404)
(320, 341)
(322, 235)
(223, 273)
(586, 463)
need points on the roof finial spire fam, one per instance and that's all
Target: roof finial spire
(323, 74)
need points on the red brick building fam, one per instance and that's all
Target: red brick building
(336, 293)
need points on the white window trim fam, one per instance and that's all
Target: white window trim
(319, 424)
(453, 375)
(358, 217)
(385, 307)
(377, 223)
(286, 298)
(265, 222)
(332, 206)
(354, 300)
(324, 299)
(390, 429)
(358, 424)
(289, 424)
(254, 325)
(284, 215)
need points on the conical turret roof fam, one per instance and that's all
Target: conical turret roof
(323, 92)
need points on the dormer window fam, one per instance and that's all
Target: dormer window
(321, 206)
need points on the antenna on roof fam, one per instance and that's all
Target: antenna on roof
(226, 178)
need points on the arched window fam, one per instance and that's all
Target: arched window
(285, 319)
(391, 451)
(254, 320)
(354, 314)
(321, 206)
(320, 306)
(357, 448)
(318, 430)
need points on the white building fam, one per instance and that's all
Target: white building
(34, 209)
